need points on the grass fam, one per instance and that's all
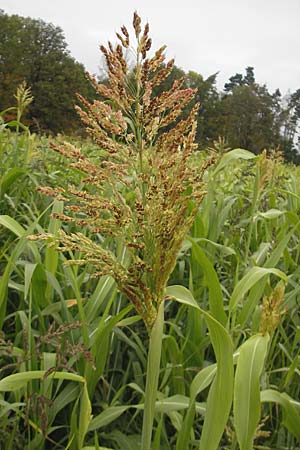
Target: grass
(80, 367)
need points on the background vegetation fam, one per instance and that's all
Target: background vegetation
(73, 353)
(36, 52)
(245, 113)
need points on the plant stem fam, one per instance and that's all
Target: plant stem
(256, 192)
(153, 366)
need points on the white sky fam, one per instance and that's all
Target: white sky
(206, 36)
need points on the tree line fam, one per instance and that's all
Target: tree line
(245, 113)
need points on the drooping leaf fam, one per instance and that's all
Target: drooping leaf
(291, 409)
(18, 380)
(252, 277)
(233, 155)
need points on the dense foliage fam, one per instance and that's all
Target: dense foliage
(36, 52)
(73, 353)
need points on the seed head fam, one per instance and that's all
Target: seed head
(143, 189)
(272, 310)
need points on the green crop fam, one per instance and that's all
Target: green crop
(152, 302)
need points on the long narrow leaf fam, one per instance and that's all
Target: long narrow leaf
(85, 416)
(252, 277)
(216, 305)
(246, 405)
(220, 395)
(18, 380)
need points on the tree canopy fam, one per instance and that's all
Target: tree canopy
(255, 119)
(36, 52)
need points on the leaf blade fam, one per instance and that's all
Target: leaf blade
(246, 404)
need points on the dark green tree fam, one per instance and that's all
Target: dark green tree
(209, 115)
(234, 81)
(290, 123)
(251, 116)
(36, 52)
(293, 110)
(249, 78)
(239, 80)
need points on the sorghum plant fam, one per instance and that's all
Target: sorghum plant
(24, 99)
(144, 189)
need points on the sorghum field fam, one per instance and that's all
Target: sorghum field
(149, 289)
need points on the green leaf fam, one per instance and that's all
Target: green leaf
(157, 436)
(95, 448)
(258, 289)
(252, 277)
(51, 255)
(12, 225)
(184, 434)
(233, 155)
(246, 405)
(291, 409)
(16, 123)
(39, 286)
(216, 305)
(175, 403)
(19, 380)
(67, 395)
(202, 380)
(18, 249)
(85, 416)
(271, 214)
(227, 251)
(125, 441)
(103, 289)
(220, 394)
(107, 416)
(29, 270)
(48, 362)
(5, 111)
(102, 338)
(35, 277)
(182, 295)
(165, 406)
(6, 407)
(10, 178)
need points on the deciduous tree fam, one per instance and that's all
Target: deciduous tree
(36, 52)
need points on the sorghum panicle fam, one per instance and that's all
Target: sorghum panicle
(144, 190)
(272, 310)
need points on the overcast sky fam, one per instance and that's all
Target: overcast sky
(206, 36)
